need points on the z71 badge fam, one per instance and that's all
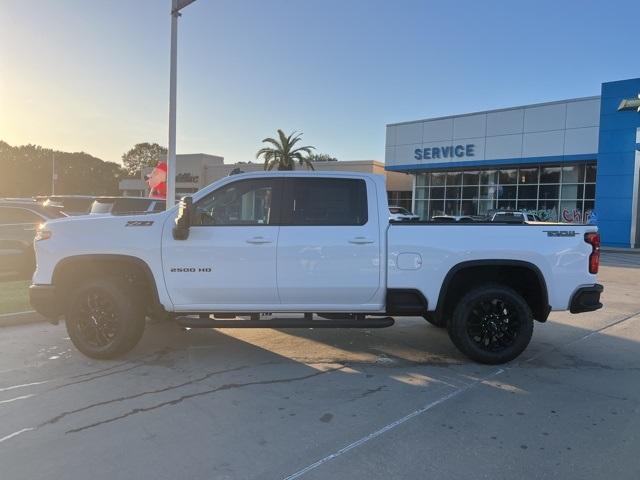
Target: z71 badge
(139, 223)
(560, 233)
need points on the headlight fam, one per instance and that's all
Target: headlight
(42, 233)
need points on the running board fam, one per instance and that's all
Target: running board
(199, 322)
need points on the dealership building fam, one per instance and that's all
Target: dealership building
(574, 160)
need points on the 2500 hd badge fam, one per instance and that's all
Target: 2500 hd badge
(190, 270)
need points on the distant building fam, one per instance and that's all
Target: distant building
(563, 160)
(196, 170)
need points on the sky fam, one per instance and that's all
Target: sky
(93, 75)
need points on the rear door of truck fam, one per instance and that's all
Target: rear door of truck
(329, 247)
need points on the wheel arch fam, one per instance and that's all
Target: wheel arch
(471, 273)
(71, 270)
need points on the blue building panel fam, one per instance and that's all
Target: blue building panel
(615, 195)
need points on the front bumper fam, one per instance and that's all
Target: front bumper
(586, 299)
(44, 301)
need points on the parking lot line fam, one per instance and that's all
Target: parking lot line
(392, 425)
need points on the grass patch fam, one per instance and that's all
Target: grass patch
(14, 296)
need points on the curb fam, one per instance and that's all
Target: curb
(20, 318)
(633, 251)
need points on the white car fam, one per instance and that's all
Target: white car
(515, 217)
(308, 243)
(401, 214)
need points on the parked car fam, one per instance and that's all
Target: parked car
(19, 219)
(70, 204)
(401, 214)
(304, 242)
(509, 216)
(452, 219)
(126, 205)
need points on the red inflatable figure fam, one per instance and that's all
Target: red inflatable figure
(157, 181)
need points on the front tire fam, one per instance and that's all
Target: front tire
(104, 319)
(492, 324)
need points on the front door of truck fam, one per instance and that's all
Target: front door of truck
(229, 259)
(329, 248)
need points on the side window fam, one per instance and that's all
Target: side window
(18, 215)
(326, 201)
(245, 202)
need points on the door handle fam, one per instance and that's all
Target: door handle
(258, 240)
(360, 240)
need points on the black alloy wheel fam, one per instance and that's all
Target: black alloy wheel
(104, 318)
(491, 324)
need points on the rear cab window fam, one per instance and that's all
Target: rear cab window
(325, 202)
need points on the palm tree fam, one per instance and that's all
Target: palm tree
(282, 153)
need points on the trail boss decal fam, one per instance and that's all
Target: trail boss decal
(560, 233)
(139, 223)
(190, 270)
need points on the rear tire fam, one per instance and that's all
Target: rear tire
(492, 324)
(104, 319)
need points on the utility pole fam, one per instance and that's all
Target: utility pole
(53, 173)
(176, 6)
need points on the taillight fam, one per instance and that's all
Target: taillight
(593, 239)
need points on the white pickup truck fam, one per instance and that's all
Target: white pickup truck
(319, 244)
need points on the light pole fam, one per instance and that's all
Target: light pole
(626, 105)
(176, 6)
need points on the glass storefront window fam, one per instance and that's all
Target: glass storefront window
(556, 193)
(488, 177)
(451, 207)
(437, 192)
(572, 191)
(573, 174)
(550, 175)
(421, 193)
(484, 206)
(508, 177)
(588, 208)
(422, 179)
(507, 192)
(468, 207)
(452, 193)
(470, 192)
(548, 210)
(590, 191)
(527, 205)
(489, 192)
(454, 178)
(421, 209)
(528, 191)
(436, 208)
(549, 192)
(528, 176)
(471, 178)
(571, 211)
(437, 179)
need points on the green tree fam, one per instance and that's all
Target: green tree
(321, 157)
(27, 170)
(282, 155)
(143, 155)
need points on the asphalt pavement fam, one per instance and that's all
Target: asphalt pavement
(399, 402)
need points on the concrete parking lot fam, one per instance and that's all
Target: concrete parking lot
(317, 404)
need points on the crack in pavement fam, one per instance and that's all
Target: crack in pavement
(139, 361)
(228, 386)
(153, 358)
(59, 417)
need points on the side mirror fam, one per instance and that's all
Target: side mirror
(183, 220)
